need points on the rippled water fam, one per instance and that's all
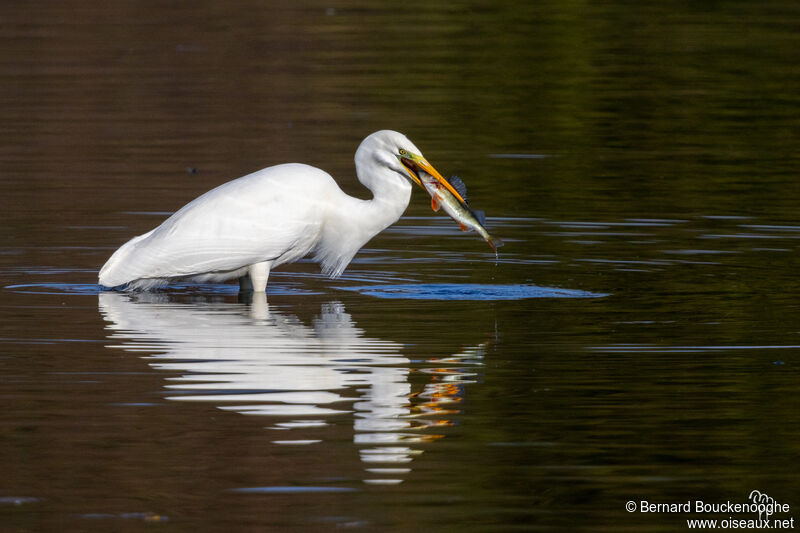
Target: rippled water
(636, 339)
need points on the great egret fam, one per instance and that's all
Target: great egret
(244, 228)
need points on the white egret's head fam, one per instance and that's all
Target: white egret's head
(392, 150)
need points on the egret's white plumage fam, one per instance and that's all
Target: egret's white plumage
(244, 228)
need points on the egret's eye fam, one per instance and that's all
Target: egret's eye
(402, 152)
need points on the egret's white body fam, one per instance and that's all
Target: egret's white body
(244, 228)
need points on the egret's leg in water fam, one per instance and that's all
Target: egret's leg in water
(259, 273)
(245, 285)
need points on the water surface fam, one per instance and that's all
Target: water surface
(637, 338)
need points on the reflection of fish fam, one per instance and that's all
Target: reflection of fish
(457, 206)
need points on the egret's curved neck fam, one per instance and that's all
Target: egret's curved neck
(390, 197)
(351, 222)
(390, 191)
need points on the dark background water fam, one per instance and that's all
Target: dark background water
(642, 151)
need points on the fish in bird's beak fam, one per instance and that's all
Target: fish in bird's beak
(414, 163)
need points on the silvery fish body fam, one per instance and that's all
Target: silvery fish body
(459, 211)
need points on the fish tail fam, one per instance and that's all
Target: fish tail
(495, 242)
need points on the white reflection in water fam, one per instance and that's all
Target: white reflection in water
(255, 360)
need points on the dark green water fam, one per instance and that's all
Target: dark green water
(642, 154)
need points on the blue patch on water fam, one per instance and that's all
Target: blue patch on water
(468, 291)
(57, 288)
(413, 291)
(89, 289)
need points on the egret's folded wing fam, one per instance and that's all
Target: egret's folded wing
(261, 217)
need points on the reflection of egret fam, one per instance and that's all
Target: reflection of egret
(265, 362)
(277, 215)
